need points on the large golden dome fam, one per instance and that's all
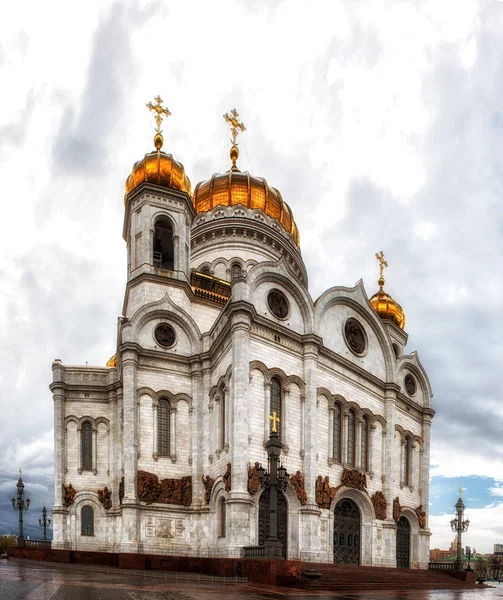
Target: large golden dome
(234, 187)
(386, 307)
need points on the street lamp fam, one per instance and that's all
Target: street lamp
(276, 479)
(44, 521)
(468, 552)
(20, 505)
(459, 526)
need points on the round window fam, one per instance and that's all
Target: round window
(278, 304)
(355, 336)
(410, 385)
(165, 335)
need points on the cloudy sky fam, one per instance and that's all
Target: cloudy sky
(380, 121)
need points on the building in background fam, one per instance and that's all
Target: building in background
(158, 451)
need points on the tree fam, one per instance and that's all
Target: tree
(5, 542)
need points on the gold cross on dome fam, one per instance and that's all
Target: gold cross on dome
(235, 124)
(460, 492)
(382, 262)
(274, 420)
(159, 110)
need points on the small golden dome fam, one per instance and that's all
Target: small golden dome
(112, 362)
(386, 307)
(234, 187)
(159, 168)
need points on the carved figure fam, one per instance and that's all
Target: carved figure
(253, 479)
(228, 478)
(324, 492)
(380, 505)
(121, 490)
(319, 490)
(105, 496)
(166, 491)
(208, 483)
(297, 482)
(355, 336)
(397, 509)
(421, 516)
(354, 479)
(68, 494)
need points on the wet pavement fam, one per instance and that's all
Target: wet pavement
(27, 580)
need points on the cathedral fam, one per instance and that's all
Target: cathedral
(163, 450)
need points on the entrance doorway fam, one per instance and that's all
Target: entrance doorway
(263, 519)
(403, 543)
(347, 533)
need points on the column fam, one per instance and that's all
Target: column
(79, 449)
(330, 453)
(358, 444)
(424, 476)
(177, 262)
(267, 410)
(284, 426)
(309, 515)
(302, 426)
(196, 424)
(155, 430)
(59, 511)
(344, 453)
(172, 433)
(371, 450)
(95, 450)
(389, 526)
(130, 517)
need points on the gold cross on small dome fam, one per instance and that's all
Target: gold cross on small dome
(159, 110)
(274, 420)
(382, 264)
(235, 124)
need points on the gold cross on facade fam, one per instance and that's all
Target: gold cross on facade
(235, 124)
(274, 420)
(159, 110)
(382, 262)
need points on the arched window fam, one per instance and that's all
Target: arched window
(163, 432)
(223, 409)
(276, 402)
(87, 520)
(221, 518)
(163, 244)
(407, 461)
(205, 270)
(236, 270)
(365, 443)
(351, 437)
(87, 447)
(337, 433)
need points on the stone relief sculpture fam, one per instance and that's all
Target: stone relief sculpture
(68, 494)
(253, 479)
(227, 478)
(355, 336)
(208, 483)
(105, 496)
(166, 491)
(397, 509)
(324, 492)
(380, 505)
(297, 482)
(354, 479)
(421, 516)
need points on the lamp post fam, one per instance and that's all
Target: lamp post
(276, 479)
(459, 526)
(468, 552)
(44, 521)
(20, 505)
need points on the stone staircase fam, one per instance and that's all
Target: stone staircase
(358, 578)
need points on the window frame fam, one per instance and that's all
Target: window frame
(87, 521)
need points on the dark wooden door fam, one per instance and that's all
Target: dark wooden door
(403, 543)
(263, 519)
(346, 533)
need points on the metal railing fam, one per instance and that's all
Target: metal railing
(45, 544)
(254, 551)
(441, 566)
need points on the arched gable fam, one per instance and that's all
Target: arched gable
(410, 362)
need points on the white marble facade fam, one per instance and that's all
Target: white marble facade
(202, 401)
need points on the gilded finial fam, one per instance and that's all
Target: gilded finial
(160, 113)
(236, 127)
(382, 263)
(274, 420)
(20, 471)
(460, 492)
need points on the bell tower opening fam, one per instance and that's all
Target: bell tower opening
(163, 251)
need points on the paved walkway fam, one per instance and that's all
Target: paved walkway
(27, 580)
